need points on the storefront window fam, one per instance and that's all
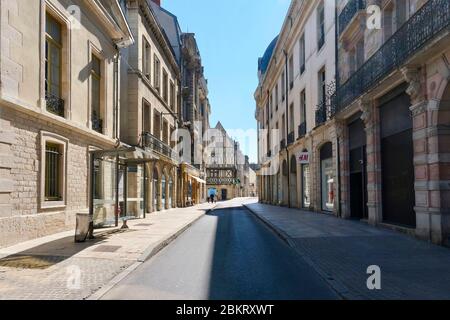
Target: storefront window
(327, 185)
(327, 177)
(306, 186)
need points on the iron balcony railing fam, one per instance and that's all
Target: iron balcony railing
(326, 110)
(302, 130)
(291, 138)
(54, 104)
(424, 25)
(97, 122)
(349, 12)
(153, 143)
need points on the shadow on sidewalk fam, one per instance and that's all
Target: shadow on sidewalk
(48, 254)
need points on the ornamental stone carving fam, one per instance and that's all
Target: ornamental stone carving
(367, 111)
(415, 89)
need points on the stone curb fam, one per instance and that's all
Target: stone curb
(340, 289)
(150, 252)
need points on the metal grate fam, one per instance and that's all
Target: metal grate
(107, 248)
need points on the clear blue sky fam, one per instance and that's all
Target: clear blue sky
(231, 36)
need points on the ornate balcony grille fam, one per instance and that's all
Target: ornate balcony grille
(302, 130)
(349, 11)
(291, 138)
(424, 25)
(327, 109)
(153, 143)
(97, 122)
(55, 104)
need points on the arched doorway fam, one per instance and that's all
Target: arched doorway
(155, 188)
(170, 199)
(164, 191)
(293, 181)
(327, 177)
(284, 183)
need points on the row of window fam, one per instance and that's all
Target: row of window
(54, 70)
(168, 87)
(274, 96)
(160, 125)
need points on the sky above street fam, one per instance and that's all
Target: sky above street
(231, 36)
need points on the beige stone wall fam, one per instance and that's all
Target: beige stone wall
(22, 60)
(135, 87)
(24, 117)
(21, 216)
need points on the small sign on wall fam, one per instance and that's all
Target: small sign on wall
(303, 158)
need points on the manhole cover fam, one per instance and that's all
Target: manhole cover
(30, 261)
(107, 248)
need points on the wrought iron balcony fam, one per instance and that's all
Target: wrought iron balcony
(291, 138)
(54, 104)
(151, 142)
(302, 130)
(349, 12)
(96, 122)
(423, 26)
(326, 110)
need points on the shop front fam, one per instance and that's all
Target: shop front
(327, 177)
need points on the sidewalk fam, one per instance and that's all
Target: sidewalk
(341, 250)
(55, 267)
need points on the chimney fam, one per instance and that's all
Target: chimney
(158, 2)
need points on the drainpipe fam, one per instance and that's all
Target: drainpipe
(336, 57)
(287, 128)
(339, 177)
(116, 97)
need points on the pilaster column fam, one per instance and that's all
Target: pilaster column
(428, 219)
(344, 167)
(159, 194)
(370, 117)
(167, 191)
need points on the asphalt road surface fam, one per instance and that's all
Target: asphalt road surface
(226, 255)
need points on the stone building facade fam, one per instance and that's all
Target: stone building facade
(194, 108)
(395, 120)
(57, 103)
(227, 167)
(387, 120)
(150, 92)
(296, 73)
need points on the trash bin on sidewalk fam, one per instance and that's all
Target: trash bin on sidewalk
(84, 220)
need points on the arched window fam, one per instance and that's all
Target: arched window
(285, 168)
(293, 165)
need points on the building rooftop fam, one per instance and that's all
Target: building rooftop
(263, 62)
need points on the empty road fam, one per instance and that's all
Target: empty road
(228, 254)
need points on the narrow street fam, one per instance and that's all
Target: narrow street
(227, 254)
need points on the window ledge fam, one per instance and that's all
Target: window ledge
(53, 205)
